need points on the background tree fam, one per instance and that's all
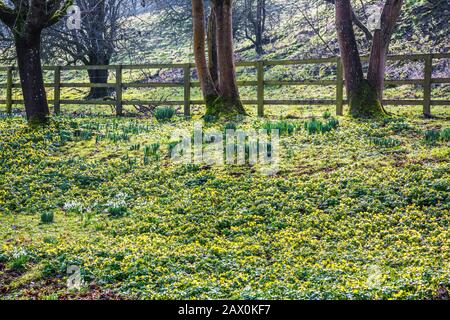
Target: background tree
(228, 89)
(221, 92)
(365, 94)
(26, 20)
(255, 23)
(207, 84)
(103, 27)
(7, 49)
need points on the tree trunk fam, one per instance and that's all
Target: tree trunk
(210, 93)
(100, 50)
(212, 48)
(227, 69)
(380, 45)
(31, 79)
(377, 65)
(98, 77)
(362, 96)
(260, 7)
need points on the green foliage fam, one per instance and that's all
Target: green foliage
(117, 137)
(432, 136)
(445, 134)
(117, 206)
(385, 142)
(152, 149)
(47, 217)
(164, 113)
(314, 126)
(83, 134)
(284, 127)
(117, 211)
(18, 263)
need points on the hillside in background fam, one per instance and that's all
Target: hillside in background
(302, 29)
(297, 33)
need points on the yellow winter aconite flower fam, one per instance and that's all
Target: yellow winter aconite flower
(343, 219)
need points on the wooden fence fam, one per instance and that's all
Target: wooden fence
(260, 83)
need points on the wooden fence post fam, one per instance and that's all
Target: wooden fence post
(187, 90)
(119, 101)
(260, 94)
(339, 88)
(9, 90)
(428, 71)
(57, 91)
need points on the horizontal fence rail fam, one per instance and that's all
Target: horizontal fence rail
(119, 86)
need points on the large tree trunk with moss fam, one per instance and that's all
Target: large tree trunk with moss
(362, 96)
(210, 93)
(227, 70)
(31, 79)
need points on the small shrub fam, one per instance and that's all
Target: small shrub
(117, 211)
(116, 137)
(99, 137)
(117, 206)
(50, 240)
(47, 217)
(327, 115)
(386, 142)
(399, 127)
(199, 180)
(330, 125)
(152, 149)
(445, 134)
(432, 136)
(284, 127)
(82, 134)
(164, 113)
(19, 263)
(18, 260)
(314, 126)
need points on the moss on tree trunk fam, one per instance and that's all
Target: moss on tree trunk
(219, 106)
(364, 102)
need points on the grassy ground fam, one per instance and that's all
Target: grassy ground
(357, 212)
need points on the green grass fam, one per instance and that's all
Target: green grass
(143, 227)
